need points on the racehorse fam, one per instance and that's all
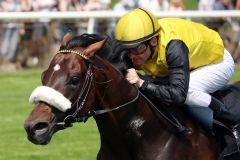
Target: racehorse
(80, 83)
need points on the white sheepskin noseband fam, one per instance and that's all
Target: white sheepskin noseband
(50, 96)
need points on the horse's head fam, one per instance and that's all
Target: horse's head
(66, 94)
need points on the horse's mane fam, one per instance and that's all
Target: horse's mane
(86, 39)
(119, 58)
(115, 56)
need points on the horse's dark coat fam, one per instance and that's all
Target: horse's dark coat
(134, 132)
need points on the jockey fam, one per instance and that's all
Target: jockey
(189, 54)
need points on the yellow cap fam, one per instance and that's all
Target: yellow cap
(136, 26)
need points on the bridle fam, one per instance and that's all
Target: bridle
(72, 118)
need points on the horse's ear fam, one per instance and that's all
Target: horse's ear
(67, 37)
(93, 48)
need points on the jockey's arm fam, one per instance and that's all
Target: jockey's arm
(178, 65)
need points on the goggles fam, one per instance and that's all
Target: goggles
(140, 49)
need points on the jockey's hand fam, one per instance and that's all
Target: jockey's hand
(133, 77)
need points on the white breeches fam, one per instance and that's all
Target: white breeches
(208, 79)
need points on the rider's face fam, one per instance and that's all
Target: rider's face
(140, 54)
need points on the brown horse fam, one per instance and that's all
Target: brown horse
(79, 84)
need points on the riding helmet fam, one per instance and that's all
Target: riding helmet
(136, 26)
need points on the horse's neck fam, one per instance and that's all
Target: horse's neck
(128, 130)
(131, 127)
(136, 131)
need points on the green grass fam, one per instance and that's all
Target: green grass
(79, 142)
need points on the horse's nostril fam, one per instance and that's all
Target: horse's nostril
(40, 128)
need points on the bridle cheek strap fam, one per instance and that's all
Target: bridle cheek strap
(51, 97)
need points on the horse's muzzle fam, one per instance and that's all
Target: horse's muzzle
(38, 133)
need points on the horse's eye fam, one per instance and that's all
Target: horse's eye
(74, 80)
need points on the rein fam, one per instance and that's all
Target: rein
(169, 118)
(69, 119)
